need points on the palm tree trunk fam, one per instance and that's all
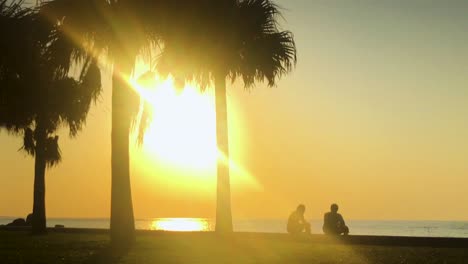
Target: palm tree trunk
(122, 226)
(39, 212)
(223, 196)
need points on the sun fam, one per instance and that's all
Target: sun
(179, 147)
(183, 130)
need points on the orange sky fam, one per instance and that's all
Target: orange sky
(375, 118)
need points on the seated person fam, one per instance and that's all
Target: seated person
(296, 222)
(333, 222)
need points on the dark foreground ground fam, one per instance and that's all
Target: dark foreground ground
(80, 246)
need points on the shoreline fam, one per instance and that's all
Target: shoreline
(397, 241)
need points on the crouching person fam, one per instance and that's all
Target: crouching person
(296, 222)
(333, 222)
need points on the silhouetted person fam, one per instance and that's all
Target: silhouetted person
(296, 222)
(333, 222)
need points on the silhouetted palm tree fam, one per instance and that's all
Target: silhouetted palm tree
(122, 30)
(216, 40)
(37, 96)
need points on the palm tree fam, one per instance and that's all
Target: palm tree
(37, 96)
(121, 30)
(228, 39)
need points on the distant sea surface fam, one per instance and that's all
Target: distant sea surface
(357, 227)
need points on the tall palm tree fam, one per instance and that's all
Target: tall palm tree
(228, 39)
(122, 30)
(37, 96)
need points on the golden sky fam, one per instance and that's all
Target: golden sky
(374, 118)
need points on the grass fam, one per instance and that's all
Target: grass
(87, 247)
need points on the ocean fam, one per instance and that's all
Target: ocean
(357, 227)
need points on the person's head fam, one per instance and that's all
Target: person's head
(301, 208)
(334, 208)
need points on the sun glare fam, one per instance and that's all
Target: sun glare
(182, 132)
(182, 136)
(180, 224)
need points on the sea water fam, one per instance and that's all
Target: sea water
(357, 227)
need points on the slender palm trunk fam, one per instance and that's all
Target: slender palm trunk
(122, 226)
(39, 211)
(223, 196)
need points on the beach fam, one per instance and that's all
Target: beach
(92, 246)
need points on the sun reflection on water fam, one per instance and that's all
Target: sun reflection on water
(180, 224)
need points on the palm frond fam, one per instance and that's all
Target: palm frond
(35, 81)
(29, 145)
(145, 120)
(13, 9)
(238, 38)
(90, 79)
(143, 117)
(52, 152)
(266, 58)
(15, 61)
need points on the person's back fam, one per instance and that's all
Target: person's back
(333, 222)
(296, 222)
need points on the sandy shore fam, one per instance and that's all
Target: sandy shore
(445, 242)
(71, 245)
